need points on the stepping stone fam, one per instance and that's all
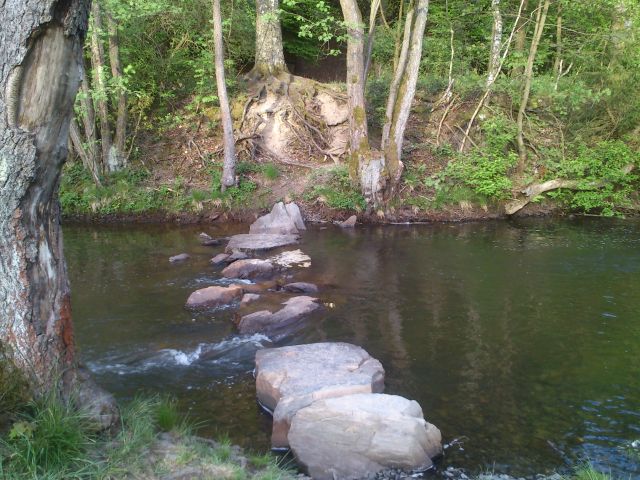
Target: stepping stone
(249, 242)
(214, 296)
(291, 378)
(249, 269)
(356, 436)
(266, 322)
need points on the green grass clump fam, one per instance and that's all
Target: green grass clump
(335, 188)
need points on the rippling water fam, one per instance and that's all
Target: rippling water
(522, 339)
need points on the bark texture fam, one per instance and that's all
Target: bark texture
(496, 44)
(40, 60)
(229, 166)
(269, 59)
(118, 154)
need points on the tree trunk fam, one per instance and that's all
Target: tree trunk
(541, 18)
(85, 154)
(521, 39)
(119, 141)
(40, 65)
(269, 59)
(496, 44)
(99, 87)
(229, 167)
(403, 91)
(557, 63)
(373, 14)
(379, 172)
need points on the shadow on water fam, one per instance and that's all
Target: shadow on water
(521, 337)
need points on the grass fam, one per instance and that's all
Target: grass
(49, 439)
(335, 189)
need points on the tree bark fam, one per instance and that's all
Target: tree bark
(120, 138)
(40, 64)
(521, 39)
(99, 87)
(496, 44)
(229, 166)
(269, 60)
(557, 63)
(541, 17)
(373, 14)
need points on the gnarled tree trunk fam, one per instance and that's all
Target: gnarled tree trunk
(269, 60)
(40, 60)
(229, 166)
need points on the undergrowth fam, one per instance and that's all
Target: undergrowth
(48, 439)
(335, 189)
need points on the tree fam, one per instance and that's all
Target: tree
(269, 59)
(40, 65)
(379, 172)
(229, 166)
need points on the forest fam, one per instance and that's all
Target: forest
(319, 239)
(490, 107)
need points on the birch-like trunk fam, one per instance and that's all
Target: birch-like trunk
(521, 39)
(99, 87)
(40, 66)
(541, 18)
(496, 44)
(269, 59)
(118, 155)
(402, 91)
(229, 166)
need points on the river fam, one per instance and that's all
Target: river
(521, 339)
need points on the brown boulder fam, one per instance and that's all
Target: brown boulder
(291, 378)
(214, 296)
(249, 268)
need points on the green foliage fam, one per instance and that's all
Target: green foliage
(270, 171)
(605, 184)
(335, 188)
(13, 387)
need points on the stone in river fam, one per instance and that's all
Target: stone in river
(300, 287)
(291, 378)
(283, 220)
(181, 257)
(349, 222)
(249, 269)
(259, 241)
(264, 321)
(214, 296)
(356, 436)
(247, 298)
(220, 258)
(208, 240)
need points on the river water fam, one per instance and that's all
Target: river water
(520, 339)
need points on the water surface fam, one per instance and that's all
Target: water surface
(522, 339)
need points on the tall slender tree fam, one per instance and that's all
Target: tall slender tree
(40, 65)
(269, 57)
(229, 166)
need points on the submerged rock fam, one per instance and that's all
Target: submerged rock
(265, 321)
(214, 296)
(291, 258)
(349, 222)
(300, 287)
(355, 436)
(291, 378)
(248, 298)
(259, 241)
(283, 220)
(220, 259)
(208, 240)
(249, 269)
(181, 257)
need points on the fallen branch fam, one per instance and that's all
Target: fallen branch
(536, 189)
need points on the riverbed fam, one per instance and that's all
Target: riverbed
(520, 340)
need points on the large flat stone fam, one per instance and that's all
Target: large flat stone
(291, 378)
(259, 241)
(355, 436)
